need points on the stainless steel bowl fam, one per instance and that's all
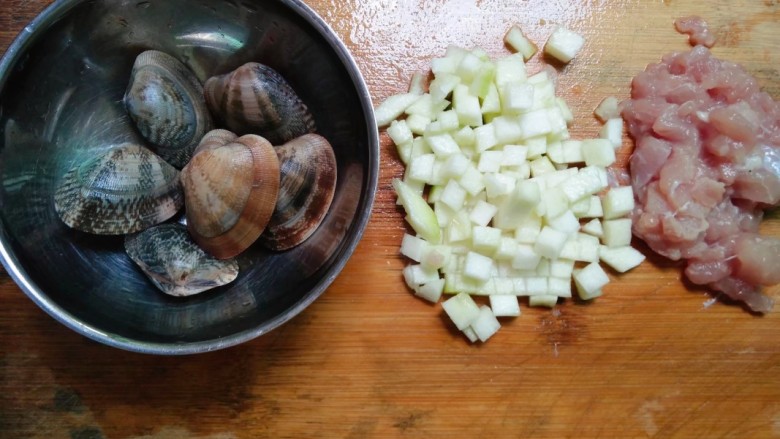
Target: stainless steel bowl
(61, 87)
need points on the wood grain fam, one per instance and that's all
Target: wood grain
(369, 360)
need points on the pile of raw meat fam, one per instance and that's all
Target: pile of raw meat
(705, 167)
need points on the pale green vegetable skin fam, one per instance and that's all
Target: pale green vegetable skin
(418, 212)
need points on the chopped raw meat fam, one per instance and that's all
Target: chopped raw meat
(697, 30)
(706, 164)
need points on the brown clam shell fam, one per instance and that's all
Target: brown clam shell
(175, 264)
(308, 183)
(230, 191)
(256, 99)
(124, 190)
(165, 101)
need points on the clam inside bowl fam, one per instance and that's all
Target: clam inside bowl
(62, 84)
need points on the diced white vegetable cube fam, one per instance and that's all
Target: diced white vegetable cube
(485, 137)
(621, 259)
(528, 229)
(557, 121)
(490, 161)
(498, 184)
(537, 146)
(431, 291)
(550, 242)
(526, 258)
(466, 106)
(517, 97)
(485, 239)
(518, 41)
(413, 247)
(437, 176)
(570, 250)
(537, 285)
(588, 181)
(417, 123)
(477, 266)
(555, 153)
(448, 120)
(443, 145)
(507, 249)
(561, 268)
(456, 165)
(482, 213)
(393, 107)
(416, 275)
(593, 228)
(417, 83)
(444, 214)
(471, 180)
(421, 168)
(465, 137)
(560, 287)
(507, 129)
(459, 228)
(442, 86)
(543, 269)
(424, 106)
(505, 305)
(618, 201)
(480, 85)
(582, 207)
(445, 65)
(543, 300)
(563, 44)
(572, 151)
(399, 132)
(590, 280)
(613, 131)
(517, 205)
(588, 248)
(607, 109)
(565, 110)
(486, 324)
(491, 104)
(535, 123)
(598, 152)
(510, 69)
(617, 232)
(514, 155)
(594, 208)
(436, 256)
(555, 202)
(405, 152)
(453, 195)
(566, 223)
(541, 166)
(470, 65)
(461, 309)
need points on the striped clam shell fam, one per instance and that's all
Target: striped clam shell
(230, 189)
(175, 264)
(308, 183)
(165, 101)
(256, 99)
(124, 190)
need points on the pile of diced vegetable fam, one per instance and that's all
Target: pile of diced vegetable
(503, 203)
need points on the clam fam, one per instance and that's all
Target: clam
(175, 264)
(124, 190)
(230, 190)
(165, 101)
(256, 99)
(308, 182)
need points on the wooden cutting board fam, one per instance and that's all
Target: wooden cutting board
(651, 358)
